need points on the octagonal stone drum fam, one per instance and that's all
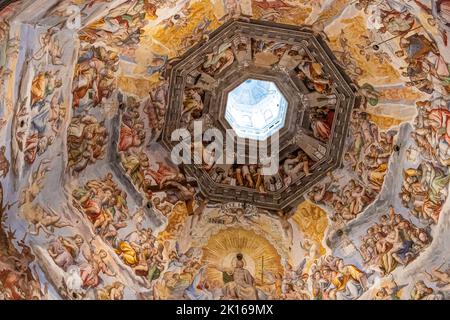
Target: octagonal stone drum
(255, 79)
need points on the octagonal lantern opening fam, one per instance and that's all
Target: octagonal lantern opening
(256, 109)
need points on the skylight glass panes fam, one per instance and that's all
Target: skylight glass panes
(256, 109)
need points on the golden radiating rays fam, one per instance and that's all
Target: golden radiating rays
(384, 122)
(138, 87)
(331, 11)
(401, 94)
(312, 221)
(174, 37)
(175, 222)
(374, 73)
(258, 253)
(290, 15)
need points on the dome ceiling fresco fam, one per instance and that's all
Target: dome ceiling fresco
(93, 204)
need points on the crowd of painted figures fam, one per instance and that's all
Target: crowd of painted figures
(295, 165)
(348, 201)
(424, 188)
(94, 77)
(321, 97)
(18, 278)
(333, 279)
(94, 82)
(41, 112)
(104, 205)
(123, 26)
(393, 241)
(368, 153)
(86, 142)
(166, 271)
